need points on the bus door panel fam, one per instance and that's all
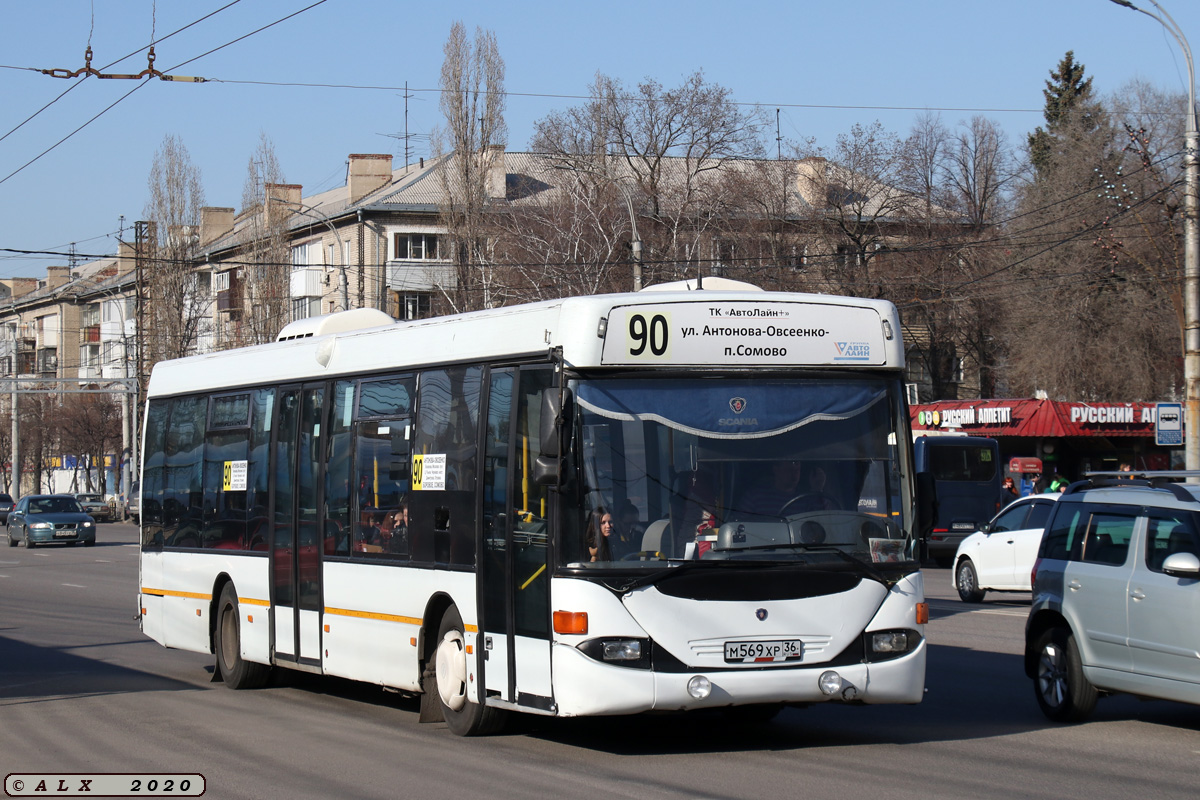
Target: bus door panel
(529, 549)
(493, 565)
(297, 540)
(515, 570)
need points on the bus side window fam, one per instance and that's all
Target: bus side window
(337, 472)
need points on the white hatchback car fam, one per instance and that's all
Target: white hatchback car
(999, 556)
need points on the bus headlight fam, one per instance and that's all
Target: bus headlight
(622, 650)
(699, 687)
(619, 652)
(883, 645)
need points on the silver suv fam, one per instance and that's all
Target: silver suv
(1116, 594)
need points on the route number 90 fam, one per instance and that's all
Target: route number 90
(652, 334)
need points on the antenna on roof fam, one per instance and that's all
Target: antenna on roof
(778, 139)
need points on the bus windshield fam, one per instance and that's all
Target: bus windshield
(736, 467)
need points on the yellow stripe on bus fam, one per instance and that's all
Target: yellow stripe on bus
(173, 593)
(346, 612)
(253, 601)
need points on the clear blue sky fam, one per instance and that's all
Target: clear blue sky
(827, 65)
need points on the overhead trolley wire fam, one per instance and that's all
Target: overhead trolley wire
(140, 85)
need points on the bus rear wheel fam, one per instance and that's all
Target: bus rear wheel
(235, 671)
(463, 717)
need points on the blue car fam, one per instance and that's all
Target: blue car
(49, 518)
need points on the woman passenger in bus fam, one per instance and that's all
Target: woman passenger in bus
(599, 530)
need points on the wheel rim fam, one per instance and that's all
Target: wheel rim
(966, 579)
(229, 637)
(1052, 675)
(452, 671)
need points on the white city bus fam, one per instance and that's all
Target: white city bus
(666, 500)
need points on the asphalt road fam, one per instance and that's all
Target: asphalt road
(82, 691)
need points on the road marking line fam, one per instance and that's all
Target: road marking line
(103, 561)
(74, 585)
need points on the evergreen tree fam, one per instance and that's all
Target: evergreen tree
(1069, 105)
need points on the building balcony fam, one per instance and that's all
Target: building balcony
(421, 276)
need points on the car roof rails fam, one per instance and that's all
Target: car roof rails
(1167, 479)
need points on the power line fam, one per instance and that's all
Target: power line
(108, 66)
(140, 85)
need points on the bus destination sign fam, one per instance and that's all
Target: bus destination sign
(739, 333)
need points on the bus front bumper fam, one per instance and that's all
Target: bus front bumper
(585, 687)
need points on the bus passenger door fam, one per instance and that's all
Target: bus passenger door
(296, 541)
(514, 565)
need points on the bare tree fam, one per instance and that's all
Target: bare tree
(177, 302)
(1093, 256)
(472, 84)
(574, 242)
(265, 251)
(666, 149)
(981, 169)
(89, 427)
(857, 193)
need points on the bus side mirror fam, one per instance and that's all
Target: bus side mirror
(556, 409)
(926, 509)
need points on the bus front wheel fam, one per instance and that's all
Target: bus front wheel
(463, 717)
(235, 671)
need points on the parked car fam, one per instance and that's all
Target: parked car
(999, 556)
(6, 505)
(1116, 595)
(94, 505)
(133, 501)
(48, 518)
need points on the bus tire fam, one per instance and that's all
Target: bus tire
(463, 717)
(235, 671)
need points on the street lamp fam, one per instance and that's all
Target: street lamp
(1191, 247)
(309, 211)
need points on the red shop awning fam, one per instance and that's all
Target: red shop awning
(1035, 418)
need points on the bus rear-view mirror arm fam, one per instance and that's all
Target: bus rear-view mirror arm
(556, 408)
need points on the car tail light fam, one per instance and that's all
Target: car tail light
(1033, 573)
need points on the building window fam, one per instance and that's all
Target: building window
(415, 246)
(91, 314)
(846, 256)
(300, 255)
(47, 361)
(413, 305)
(305, 307)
